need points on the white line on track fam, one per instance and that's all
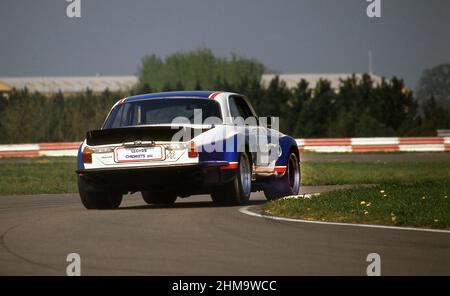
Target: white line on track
(245, 210)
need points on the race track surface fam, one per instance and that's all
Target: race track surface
(196, 238)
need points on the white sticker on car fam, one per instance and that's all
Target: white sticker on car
(134, 154)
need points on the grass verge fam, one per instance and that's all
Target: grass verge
(416, 204)
(37, 175)
(332, 173)
(404, 194)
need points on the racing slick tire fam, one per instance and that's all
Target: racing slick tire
(99, 200)
(157, 197)
(287, 185)
(237, 191)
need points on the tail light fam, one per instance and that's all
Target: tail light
(230, 166)
(280, 170)
(87, 155)
(192, 152)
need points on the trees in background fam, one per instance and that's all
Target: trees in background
(358, 108)
(197, 69)
(434, 117)
(433, 95)
(435, 83)
(32, 117)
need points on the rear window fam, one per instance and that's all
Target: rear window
(161, 111)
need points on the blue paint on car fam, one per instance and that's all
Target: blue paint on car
(80, 164)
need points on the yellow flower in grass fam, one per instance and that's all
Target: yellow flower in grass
(366, 212)
(393, 217)
(363, 202)
(423, 197)
(436, 220)
(368, 204)
(381, 191)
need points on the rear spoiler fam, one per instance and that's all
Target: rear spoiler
(144, 134)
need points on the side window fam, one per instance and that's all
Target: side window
(233, 107)
(127, 115)
(116, 114)
(239, 108)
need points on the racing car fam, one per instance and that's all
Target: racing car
(177, 144)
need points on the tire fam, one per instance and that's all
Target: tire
(287, 185)
(237, 191)
(98, 199)
(158, 197)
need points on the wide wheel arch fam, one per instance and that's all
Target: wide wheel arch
(291, 146)
(280, 186)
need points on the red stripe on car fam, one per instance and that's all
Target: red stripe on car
(213, 95)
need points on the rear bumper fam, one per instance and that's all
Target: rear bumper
(183, 179)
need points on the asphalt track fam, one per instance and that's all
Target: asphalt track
(196, 238)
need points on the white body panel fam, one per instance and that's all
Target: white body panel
(207, 140)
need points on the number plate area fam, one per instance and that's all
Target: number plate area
(136, 154)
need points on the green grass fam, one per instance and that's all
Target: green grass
(37, 175)
(331, 173)
(417, 204)
(415, 194)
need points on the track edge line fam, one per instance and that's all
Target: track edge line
(245, 210)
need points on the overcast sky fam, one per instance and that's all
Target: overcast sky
(288, 36)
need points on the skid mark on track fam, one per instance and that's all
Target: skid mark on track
(23, 258)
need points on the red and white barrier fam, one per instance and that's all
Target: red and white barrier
(423, 144)
(42, 149)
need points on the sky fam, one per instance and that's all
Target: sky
(287, 36)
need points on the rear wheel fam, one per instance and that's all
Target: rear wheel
(159, 197)
(98, 199)
(237, 191)
(287, 185)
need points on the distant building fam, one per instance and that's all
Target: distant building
(68, 84)
(75, 84)
(292, 80)
(4, 88)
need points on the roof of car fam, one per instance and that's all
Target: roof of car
(171, 94)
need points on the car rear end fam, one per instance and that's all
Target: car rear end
(141, 148)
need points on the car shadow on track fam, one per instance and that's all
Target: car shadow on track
(187, 205)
